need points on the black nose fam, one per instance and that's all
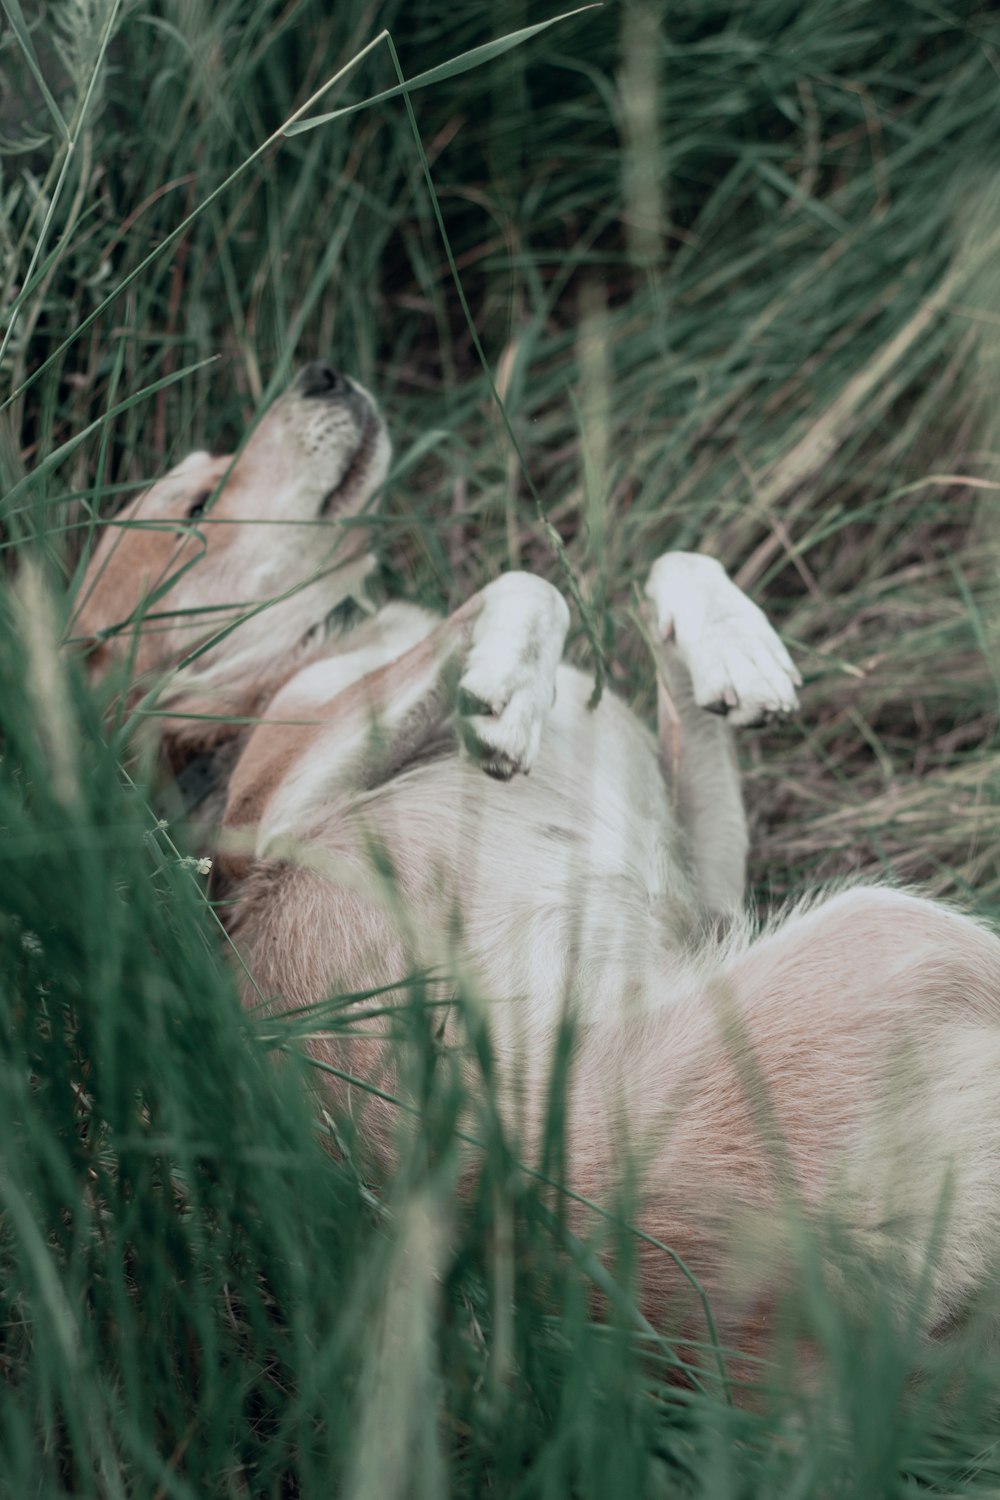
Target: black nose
(319, 379)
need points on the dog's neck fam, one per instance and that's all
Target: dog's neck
(202, 739)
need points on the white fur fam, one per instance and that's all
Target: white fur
(737, 662)
(517, 645)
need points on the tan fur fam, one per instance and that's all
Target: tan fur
(846, 1062)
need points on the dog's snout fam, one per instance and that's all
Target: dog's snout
(321, 379)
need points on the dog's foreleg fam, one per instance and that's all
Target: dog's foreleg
(721, 664)
(488, 671)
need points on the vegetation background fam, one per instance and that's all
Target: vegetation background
(731, 267)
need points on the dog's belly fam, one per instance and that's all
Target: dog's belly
(569, 882)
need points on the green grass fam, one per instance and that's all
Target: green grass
(732, 271)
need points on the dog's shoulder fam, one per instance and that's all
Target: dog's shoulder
(393, 628)
(359, 643)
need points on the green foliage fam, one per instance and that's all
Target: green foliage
(730, 266)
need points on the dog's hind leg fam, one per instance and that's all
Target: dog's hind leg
(840, 1074)
(720, 664)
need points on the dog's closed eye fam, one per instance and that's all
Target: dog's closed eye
(197, 507)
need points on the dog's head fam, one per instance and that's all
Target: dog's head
(258, 544)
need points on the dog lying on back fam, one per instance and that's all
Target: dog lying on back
(847, 1060)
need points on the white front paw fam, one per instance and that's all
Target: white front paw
(737, 663)
(509, 681)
